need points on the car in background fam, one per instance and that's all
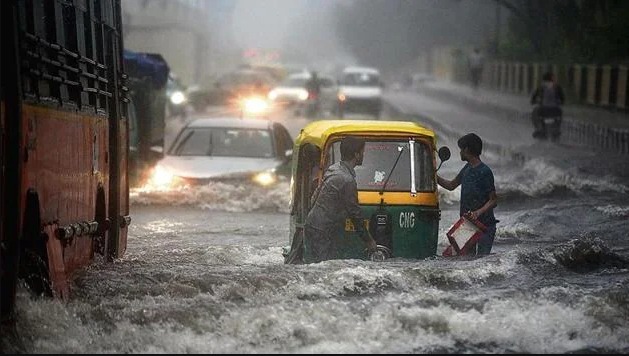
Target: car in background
(237, 84)
(226, 149)
(419, 79)
(292, 91)
(360, 91)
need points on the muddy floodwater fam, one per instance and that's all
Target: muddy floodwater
(204, 273)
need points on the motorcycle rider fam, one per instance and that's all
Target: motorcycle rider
(313, 86)
(549, 97)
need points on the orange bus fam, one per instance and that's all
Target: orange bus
(63, 143)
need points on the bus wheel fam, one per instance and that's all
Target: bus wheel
(33, 255)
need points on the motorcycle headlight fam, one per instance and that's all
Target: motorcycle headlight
(265, 178)
(177, 97)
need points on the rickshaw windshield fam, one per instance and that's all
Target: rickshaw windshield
(379, 158)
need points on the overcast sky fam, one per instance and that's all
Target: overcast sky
(265, 23)
(305, 30)
(298, 28)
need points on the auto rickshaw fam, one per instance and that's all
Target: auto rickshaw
(397, 186)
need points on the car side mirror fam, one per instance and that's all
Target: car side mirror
(157, 149)
(156, 153)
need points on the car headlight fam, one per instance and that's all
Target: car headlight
(265, 178)
(273, 94)
(302, 95)
(255, 105)
(161, 177)
(177, 97)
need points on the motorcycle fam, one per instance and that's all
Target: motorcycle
(547, 123)
(312, 106)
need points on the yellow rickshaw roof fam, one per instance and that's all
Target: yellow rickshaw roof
(318, 132)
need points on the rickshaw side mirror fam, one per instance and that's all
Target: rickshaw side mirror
(444, 153)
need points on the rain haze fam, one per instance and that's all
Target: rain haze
(226, 154)
(328, 33)
(303, 31)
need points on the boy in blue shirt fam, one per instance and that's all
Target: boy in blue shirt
(478, 193)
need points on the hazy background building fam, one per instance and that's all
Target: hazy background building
(185, 32)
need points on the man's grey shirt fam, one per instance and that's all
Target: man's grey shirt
(336, 199)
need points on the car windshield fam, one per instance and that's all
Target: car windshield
(226, 142)
(295, 82)
(380, 157)
(360, 79)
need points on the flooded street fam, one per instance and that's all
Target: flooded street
(204, 272)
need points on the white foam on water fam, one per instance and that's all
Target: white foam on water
(449, 197)
(538, 177)
(218, 196)
(513, 230)
(536, 326)
(614, 210)
(244, 255)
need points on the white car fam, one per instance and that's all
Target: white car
(360, 91)
(293, 90)
(231, 149)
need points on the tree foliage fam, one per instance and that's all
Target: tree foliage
(394, 32)
(566, 30)
(389, 33)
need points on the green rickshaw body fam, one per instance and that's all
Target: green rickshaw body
(414, 233)
(397, 188)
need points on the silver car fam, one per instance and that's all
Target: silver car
(239, 150)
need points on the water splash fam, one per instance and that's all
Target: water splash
(614, 210)
(219, 196)
(538, 178)
(588, 253)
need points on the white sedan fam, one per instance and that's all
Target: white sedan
(225, 149)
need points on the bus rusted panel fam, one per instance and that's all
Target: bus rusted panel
(64, 146)
(65, 161)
